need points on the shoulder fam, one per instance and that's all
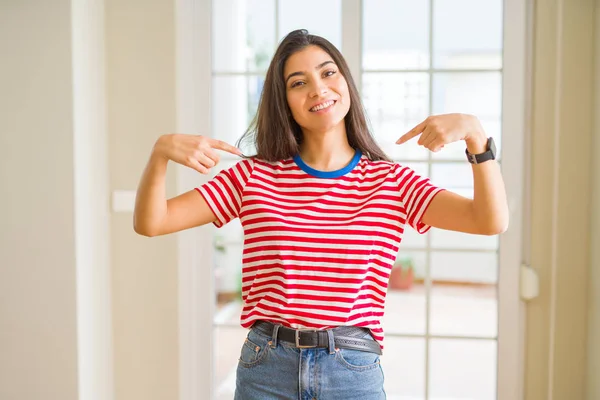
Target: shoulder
(379, 166)
(399, 173)
(273, 166)
(239, 172)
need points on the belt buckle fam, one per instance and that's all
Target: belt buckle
(297, 338)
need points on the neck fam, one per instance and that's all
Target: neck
(328, 150)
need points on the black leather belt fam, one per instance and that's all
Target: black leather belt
(345, 337)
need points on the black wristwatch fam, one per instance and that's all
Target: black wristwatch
(489, 154)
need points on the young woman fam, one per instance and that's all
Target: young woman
(323, 211)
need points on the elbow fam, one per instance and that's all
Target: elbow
(495, 230)
(496, 227)
(143, 229)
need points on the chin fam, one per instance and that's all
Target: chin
(325, 126)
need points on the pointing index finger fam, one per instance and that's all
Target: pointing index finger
(221, 145)
(417, 130)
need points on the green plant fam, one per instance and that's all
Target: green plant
(405, 263)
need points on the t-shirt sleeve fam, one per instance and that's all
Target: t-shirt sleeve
(416, 193)
(224, 192)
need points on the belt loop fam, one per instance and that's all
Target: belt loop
(331, 346)
(274, 334)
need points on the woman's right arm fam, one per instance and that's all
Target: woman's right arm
(155, 215)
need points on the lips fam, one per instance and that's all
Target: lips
(322, 106)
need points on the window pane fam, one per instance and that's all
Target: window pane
(420, 168)
(463, 295)
(463, 310)
(396, 103)
(396, 34)
(229, 248)
(443, 239)
(227, 259)
(235, 99)
(479, 94)
(405, 301)
(411, 238)
(323, 18)
(467, 34)
(243, 35)
(261, 33)
(452, 175)
(464, 267)
(462, 369)
(403, 364)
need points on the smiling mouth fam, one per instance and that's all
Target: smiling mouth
(322, 106)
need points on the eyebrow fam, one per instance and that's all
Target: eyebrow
(302, 73)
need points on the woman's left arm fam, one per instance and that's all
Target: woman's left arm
(485, 214)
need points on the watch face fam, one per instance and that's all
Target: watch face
(492, 147)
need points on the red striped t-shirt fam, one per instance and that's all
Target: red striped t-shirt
(318, 246)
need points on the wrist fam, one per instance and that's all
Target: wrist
(477, 143)
(158, 151)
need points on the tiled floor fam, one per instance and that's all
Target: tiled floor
(459, 368)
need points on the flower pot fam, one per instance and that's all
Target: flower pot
(401, 278)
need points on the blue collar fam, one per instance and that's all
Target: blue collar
(329, 174)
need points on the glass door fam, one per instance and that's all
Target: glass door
(415, 58)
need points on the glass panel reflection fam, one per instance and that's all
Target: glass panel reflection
(395, 34)
(243, 38)
(396, 103)
(235, 101)
(442, 239)
(467, 34)
(323, 18)
(464, 294)
(462, 369)
(452, 175)
(478, 93)
(405, 302)
(403, 363)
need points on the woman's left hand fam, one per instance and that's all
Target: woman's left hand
(439, 130)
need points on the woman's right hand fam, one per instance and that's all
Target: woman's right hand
(193, 151)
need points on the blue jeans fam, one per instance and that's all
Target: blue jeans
(269, 369)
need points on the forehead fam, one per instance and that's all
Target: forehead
(305, 60)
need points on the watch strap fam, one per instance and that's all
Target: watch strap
(489, 154)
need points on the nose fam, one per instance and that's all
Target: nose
(318, 89)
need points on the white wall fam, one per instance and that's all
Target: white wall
(140, 89)
(38, 327)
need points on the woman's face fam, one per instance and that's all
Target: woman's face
(317, 93)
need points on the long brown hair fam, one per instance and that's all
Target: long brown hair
(274, 132)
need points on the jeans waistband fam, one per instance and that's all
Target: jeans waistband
(346, 337)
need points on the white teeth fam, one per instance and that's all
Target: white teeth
(322, 106)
